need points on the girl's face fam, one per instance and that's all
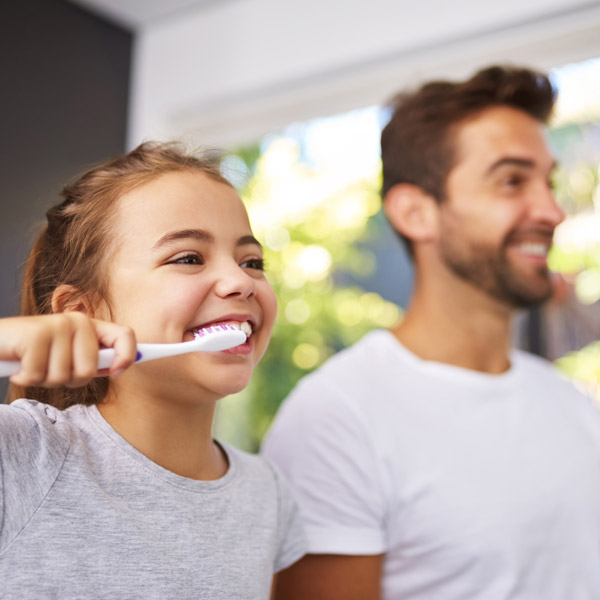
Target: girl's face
(185, 258)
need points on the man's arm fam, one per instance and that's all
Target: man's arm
(331, 577)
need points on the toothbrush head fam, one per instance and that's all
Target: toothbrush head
(204, 331)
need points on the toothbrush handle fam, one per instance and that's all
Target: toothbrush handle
(214, 341)
(144, 352)
(151, 351)
(9, 367)
(105, 358)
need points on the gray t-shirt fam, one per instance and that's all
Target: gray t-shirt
(84, 515)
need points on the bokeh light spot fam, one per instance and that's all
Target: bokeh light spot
(297, 311)
(305, 356)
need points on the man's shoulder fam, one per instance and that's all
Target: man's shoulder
(358, 376)
(366, 357)
(544, 373)
(535, 365)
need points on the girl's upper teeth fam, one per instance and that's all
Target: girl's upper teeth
(246, 328)
(241, 325)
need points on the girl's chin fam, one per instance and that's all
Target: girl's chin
(198, 383)
(231, 385)
(236, 388)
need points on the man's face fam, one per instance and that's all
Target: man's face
(499, 214)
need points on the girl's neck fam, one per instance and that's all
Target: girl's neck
(177, 438)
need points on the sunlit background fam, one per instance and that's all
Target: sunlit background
(88, 79)
(312, 191)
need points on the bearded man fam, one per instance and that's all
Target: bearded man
(432, 461)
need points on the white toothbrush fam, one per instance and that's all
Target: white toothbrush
(208, 339)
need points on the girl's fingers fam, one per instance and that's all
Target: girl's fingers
(84, 347)
(122, 340)
(62, 349)
(34, 364)
(60, 358)
(47, 349)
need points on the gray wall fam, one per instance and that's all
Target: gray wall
(63, 106)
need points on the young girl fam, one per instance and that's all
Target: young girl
(113, 487)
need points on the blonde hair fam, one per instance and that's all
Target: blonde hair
(74, 245)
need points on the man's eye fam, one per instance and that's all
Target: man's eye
(188, 259)
(513, 181)
(254, 263)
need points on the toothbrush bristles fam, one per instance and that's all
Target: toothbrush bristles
(198, 333)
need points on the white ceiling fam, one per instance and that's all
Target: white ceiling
(134, 14)
(225, 72)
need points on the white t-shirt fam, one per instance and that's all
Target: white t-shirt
(475, 486)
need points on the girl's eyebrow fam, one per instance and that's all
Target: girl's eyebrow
(200, 235)
(174, 236)
(248, 239)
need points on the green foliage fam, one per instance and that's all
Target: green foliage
(304, 251)
(576, 252)
(316, 228)
(583, 366)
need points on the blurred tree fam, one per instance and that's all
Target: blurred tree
(320, 229)
(576, 251)
(311, 226)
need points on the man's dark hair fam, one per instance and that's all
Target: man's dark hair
(416, 144)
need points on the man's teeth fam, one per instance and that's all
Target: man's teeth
(533, 248)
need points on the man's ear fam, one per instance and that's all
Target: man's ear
(67, 298)
(412, 212)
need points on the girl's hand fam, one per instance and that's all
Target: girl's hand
(62, 349)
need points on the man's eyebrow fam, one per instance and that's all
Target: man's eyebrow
(183, 234)
(200, 235)
(513, 161)
(510, 161)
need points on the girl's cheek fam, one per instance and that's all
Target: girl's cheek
(273, 306)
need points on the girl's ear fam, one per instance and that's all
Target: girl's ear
(67, 298)
(412, 212)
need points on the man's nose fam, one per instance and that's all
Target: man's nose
(546, 209)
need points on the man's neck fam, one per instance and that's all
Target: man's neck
(468, 333)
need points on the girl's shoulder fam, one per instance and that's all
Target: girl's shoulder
(255, 474)
(34, 442)
(265, 491)
(247, 466)
(29, 421)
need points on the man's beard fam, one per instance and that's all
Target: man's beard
(489, 270)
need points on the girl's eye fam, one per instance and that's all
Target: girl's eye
(188, 259)
(254, 263)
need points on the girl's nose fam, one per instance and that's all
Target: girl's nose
(234, 281)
